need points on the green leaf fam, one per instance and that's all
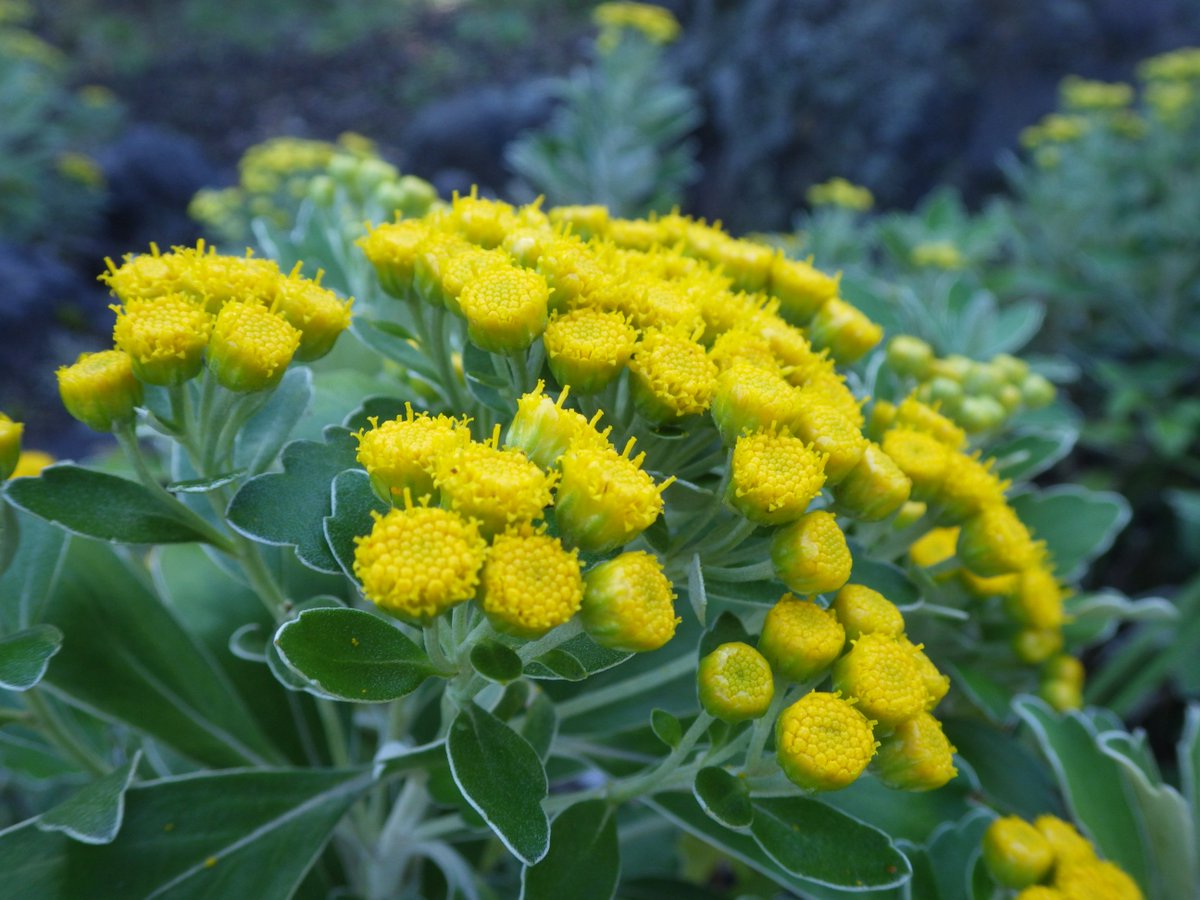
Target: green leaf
(890, 580)
(1029, 453)
(1188, 752)
(1090, 782)
(214, 834)
(584, 860)
(575, 660)
(25, 655)
(1166, 820)
(395, 759)
(501, 776)
(952, 850)
(1095, 617)
(93, 814)
(288, 507)
(695, 589)
(10, 532)
(261, 438)
(1016, 324)
(724, 797)
(496, 662)
(666, 727)
(901, 814)
(353, 502)
(1011, 776)
(727, 629)
(99, 505)
(1077, 524)
(540, 725)
(985, 693)
(377, 334)
(129, 659)
(349, 654)
(810, 839)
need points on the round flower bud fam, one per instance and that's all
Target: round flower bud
(862, 610)
(735, 683)
(995, 586)
(401, 454)
(908, 355)
(741, 346)
(543, 429)
(1040, 892)
(316, 312)
(774, 477)
(604, 499)
(628, 603)
(917, 416)
(937, 684)
(585, 221)
(908, 514)
(994, 541)
(1037, 391)
(844, 331)
(823, 743)
(747, 263)
(672, 376)
(588, 348)
(1016, 853)
(449, 265)
(1012, 369)
(790, 346)
(935, 546)
(393, 249)
(1066, 842)
(10, 445)
(1095, 880)
(800, 639)
(800, 288)
(942, 390)
(506, 308)
(831, 433)
(967, 487)
(1010, 398)
(570, 269)
(1061, 695)
(418, 562)
(250, 347)
(216, 280)
(750, 398)
(920, 456)
(831, 389)
(875, 488)
(100, 389)
(164, 337)
(530, 584)
(916, 756)
(1064, 668)
(1036, 645)
(883, 416)
(810, 555)
(498, 488)
(979, 414)
(882, 674)
(1037, 601)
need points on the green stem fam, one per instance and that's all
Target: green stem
(630, 687)
(644, 784)
(548, 642)
(52, 724)
(431, 637)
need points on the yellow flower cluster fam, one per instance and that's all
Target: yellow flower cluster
(938, 255)
(840, 192)
(530, 582)
(1084, 94)
(1050, 860)
(653, 22)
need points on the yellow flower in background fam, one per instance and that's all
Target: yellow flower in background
(1066, 842)
(250, 347)
(418, 562)
(994, 541)
(935, 546)
(839, 192)
(1084, 94)
(164, 337)
(530, 584)
(938, 255)
(80, 168)
(654, 23)
(1016, 853)
(823, 742)
(629, 604)
(1098, 880)
(735, 683)
(31, 463)
(100, 389)
(1177, 65)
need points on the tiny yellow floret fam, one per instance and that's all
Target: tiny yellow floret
(823, 743)
(735, 683)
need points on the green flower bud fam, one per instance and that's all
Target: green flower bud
(908, 355)
(1037, 391)
(916, 756)
(735, 683)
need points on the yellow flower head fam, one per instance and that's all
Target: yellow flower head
(605, 499)
(1036, 645)
(543, 428)
(774, 476)
(749, 398)
(935, 546)
(1061, 695)
(920, 456)
(1095, 880)
(164, 337)
(653, 22)
(739, 345)
(917, 416)
(995, 541)
(1016, 853)
(937, 685)
(735, 683)
(800, 639)
(418, 562)
(530, 583)
(143, 276)
(587, 348)
(585, 221)
(826, 386)
(1040, 892)
(31, 463)
(838, 191)
(1038, 600)
(1064, 668)
(499, 488)
(801, 289)
(250, 347)
(844, 331)
(862, 610)
(1084, 94)
(884, 676)
(791, 348)
(823, 743)
(316, 312)
(506, 308)
(875, 488)
(10, 445)
(628, 603)
(831, 433)
(969, 485)
(938, 255)
(401, 454)
(721, 309)
(216, 280)
(570, 269)
(654, 303)
(810, 555)
(909, 355)
(479, 220)
(909, 514)
(393, 249)
(996, 586)
(672, 375)
(916, 756)
(449, 264)
(1066, 842)
(100, 389)
(749, 264)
